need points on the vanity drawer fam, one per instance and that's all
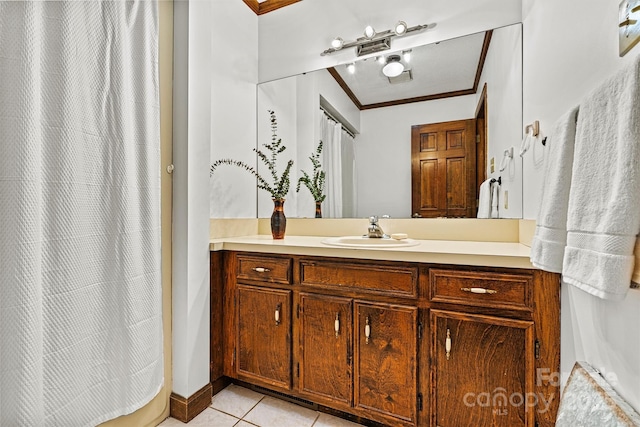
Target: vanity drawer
(372, 278)
(264, 269)
(483, 289)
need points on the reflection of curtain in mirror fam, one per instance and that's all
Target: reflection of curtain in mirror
(330, 134)
(349, 195)
(339, 165)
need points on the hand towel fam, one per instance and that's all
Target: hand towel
(484, 204)
(495, 189)
(550, 238)
(604, 202)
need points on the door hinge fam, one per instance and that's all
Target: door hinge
(536, 350)
(298, 370)
(477, 138)
(420, 402)
(419, 330)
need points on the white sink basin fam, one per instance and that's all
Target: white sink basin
(366, 242)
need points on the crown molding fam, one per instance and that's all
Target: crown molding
(347, 90)
(267, 5)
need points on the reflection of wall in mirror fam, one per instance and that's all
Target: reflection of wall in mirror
(383, 149)
(296, 101)
(385, 141)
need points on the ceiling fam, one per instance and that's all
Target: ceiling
(438, 70)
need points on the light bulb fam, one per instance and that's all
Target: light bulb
(337, 43)
(369, 32)
(401, 28)
(351, 68)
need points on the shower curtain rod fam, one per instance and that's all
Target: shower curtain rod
(330, 116)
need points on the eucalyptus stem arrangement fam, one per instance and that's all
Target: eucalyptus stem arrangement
(316, 182)
(280, 185)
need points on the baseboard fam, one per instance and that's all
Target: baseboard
(185, 409)
(219, 384)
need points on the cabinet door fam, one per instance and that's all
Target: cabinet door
(325, 346)
(482, 371)
(263, 344)
(385, 362)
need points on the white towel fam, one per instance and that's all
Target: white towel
(550, 239)
(495, 187)
(484, 204)
(604, 201)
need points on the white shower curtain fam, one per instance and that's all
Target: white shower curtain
(332, 159)
(80, 285)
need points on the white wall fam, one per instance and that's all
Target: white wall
(233, 106)
(569, 48)
(192, 111)
(503, 75)
(383, 152)
(292, 38)
(210, 105)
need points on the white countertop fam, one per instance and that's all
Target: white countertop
(492, 254)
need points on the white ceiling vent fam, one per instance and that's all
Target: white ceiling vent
(404, 77)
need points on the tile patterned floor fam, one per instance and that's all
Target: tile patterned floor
(237, 406)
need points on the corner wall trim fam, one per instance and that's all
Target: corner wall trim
(185, 409)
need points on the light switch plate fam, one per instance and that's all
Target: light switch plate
(506, 199)
(628, 25)
(492, 162)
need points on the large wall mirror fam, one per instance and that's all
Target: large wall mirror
(373, 125)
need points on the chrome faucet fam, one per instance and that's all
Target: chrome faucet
(374, 230)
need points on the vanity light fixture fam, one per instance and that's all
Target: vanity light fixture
(373, 41)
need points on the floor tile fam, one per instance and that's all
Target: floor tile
(171, 422)
(210, 417)
(272, 412)
(326, 420)
(235, 400)
(243, 423)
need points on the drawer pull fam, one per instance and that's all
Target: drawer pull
(479, 290)
(261, 269)
(277, 315)
(447, 344)
(367, 330)
(336, 325)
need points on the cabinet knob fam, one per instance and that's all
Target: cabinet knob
(447, 344)
(277, 314)
(479, 290)
(367, 330)
(261, 269)
(336, 325)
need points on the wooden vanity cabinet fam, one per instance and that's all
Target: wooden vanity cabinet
(385, 377)
(263, 336)
(325, 349)
(481, 370)
(398, 343)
